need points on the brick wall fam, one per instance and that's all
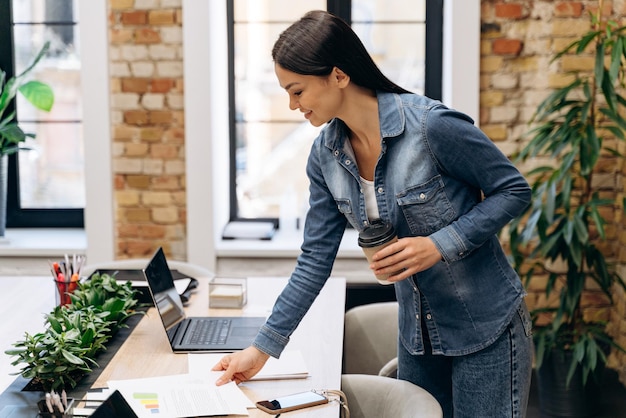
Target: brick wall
(518, 40)
(147, 125)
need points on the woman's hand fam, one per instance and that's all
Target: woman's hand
(240, 366)
(405, 258)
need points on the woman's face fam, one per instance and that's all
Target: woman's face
(318, 97)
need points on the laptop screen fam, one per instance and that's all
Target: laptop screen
(161, 283)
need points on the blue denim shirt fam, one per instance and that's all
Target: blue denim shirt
(437, 176)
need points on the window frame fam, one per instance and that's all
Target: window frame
(16, 216)
(432, 84)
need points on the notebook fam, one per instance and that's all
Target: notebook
(115, 406)
(195, 334)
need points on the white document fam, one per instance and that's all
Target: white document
(291, 365)
(180, 284)
(248, 230)
(182, 396)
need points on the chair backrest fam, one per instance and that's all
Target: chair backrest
(193, 270)
(371, 396)
(370, 337)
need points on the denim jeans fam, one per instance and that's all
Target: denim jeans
(491, 383)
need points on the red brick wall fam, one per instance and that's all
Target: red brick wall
(148, 131)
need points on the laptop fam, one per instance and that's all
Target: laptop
(195, 334)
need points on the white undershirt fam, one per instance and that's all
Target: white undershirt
(371, 208)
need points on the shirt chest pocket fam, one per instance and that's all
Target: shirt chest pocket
(426, 207)
(345, 207)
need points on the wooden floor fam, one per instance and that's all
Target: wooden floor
(24, 301)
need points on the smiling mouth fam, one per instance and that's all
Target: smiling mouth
(308, 114)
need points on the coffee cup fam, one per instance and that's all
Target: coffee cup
(374, 238)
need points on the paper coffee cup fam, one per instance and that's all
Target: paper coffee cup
(374, 238)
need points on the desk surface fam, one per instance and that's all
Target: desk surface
(146, 351)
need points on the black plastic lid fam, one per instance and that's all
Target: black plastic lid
(376, 234)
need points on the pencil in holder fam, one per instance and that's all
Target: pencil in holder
(44, 412)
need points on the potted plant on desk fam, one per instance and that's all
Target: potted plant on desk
(559, 239)
(57, 358)
(40, 95)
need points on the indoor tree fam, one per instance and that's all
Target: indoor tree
(576, 128)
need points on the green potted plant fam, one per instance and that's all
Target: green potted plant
(116, 300)
(576, 129)
(40, 95)
(57, 358)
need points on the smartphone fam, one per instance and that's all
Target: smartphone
(292, 402)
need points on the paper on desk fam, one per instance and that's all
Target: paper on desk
(181, 285)
(291, 365)
(182, 395)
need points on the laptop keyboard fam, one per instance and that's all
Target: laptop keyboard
(208, 331)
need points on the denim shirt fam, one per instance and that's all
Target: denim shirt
(437, 176)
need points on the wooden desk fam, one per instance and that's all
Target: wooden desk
(147, 353)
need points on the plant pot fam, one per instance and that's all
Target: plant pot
(36, 384)
(556, 399)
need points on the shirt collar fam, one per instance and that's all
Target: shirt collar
(390, 115)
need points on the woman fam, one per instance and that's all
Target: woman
(387, 154)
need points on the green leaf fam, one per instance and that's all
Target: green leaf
(7, 94)
(35, 92)
(550, 202)
(540, 350)
(592, 354)
(599, 65)
(71, 357)
(54, 323)
(73, 334)
(580, 227)
(12, 133)
(87, 337)
(568, 232)
(616, 56)
(38, 94)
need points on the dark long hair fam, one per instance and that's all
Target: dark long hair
(320, 41)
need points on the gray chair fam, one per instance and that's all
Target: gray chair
(371, 339)
(370, 396)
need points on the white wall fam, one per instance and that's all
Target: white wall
(99, 214)
(461, 56)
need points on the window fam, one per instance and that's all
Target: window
(269, 144)
(46, 182)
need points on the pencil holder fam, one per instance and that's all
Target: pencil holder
(45, 413)
(66, 275)
(63, 290)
